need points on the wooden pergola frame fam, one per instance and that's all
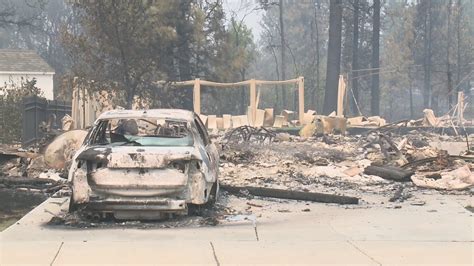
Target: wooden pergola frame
(252, 83)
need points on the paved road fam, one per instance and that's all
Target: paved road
(440, 232)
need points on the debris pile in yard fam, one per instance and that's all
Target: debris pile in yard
(25, 182)
(39, 172)
(50, 161)
(21, 165)
(310, 165)
(459, 178)
(248, 133)
(374, 163)
(454, 118)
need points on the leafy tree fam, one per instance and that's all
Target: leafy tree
(16, 14)
(44, 36)
(397, 55)
(305, 38)
(239, 53)
(129, 45)
(123, 42)
(242, 47)
(11, 98)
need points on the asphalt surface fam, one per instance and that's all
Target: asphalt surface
(430, 229)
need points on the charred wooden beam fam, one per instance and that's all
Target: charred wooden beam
(416, 163)
(24, 181)
(290, 194)
(389, 172)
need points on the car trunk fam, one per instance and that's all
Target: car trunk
(142, 171)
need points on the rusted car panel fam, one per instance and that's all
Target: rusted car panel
(146, 167)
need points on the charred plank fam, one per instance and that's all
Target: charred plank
(291, 194)
(27, 181)
(389, 172)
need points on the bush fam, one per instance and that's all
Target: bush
(11, 97)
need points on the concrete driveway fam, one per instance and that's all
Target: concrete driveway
(439, 232)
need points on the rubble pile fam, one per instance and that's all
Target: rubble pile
(42, 169)
(16, 166)
(380, 165)
(335, 164)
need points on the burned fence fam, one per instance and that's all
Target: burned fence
(40, 116)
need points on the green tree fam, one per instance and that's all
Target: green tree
(306, 36)
(123, 42)
(11, 99)
(129, 45)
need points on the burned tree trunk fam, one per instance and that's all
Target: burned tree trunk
(315, 33)
(355, 60)
(283, 55)
(459, 40)
(448, 61)
(184, 32)
(375, 91)
(334, 56)
(427, 56)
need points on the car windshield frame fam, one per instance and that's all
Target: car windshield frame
(103, 134)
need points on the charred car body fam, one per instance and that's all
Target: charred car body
(143, 164)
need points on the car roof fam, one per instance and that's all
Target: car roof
(178, 114)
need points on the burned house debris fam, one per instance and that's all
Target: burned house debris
(236, 132)
(155, 163)
(162, 160)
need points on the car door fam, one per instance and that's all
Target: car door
(210, 148)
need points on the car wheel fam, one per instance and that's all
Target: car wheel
(213, 195)
(197, 209)
(72, 204)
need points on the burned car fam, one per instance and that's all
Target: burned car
(144, 164)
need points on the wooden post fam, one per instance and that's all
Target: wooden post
(87, 104)
(253, 101)
(460, 107)
(301, 99)
(341, 90)
(258, 98)
(74, 105)
(346, 94)
(82, 107)
(197, 96)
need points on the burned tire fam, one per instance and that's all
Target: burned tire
(72, 205)
(197, 209)
(213, 195)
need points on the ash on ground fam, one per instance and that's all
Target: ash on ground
(335, 164)
(197, 217)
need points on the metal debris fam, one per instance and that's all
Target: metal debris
(250, 134)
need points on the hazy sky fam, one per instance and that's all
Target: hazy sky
(248, 11)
